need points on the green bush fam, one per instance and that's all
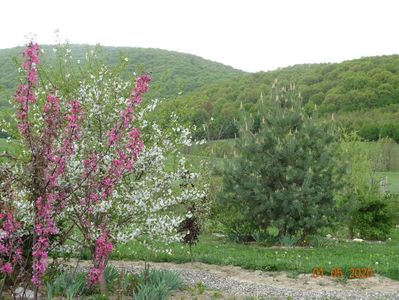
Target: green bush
(373, 220)
(156, 284)
(268, 236)
(68, 284)
(111, 275)
(369, 132)
(290, 240)
(393, 205)
(150, 292)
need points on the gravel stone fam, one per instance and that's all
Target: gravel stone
(233, 287)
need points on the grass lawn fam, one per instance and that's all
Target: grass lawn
(393, 180)
(381, 257)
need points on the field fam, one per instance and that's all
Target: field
(393, 181)
(326, 254)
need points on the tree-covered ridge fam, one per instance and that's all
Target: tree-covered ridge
(363, 94)
(173, 73)
(363, 86)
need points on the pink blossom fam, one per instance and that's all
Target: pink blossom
(112, 136)
(59, 129)
(103, 249)
(94, 276)
(6, 268)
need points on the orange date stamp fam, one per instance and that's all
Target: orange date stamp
(354, 273)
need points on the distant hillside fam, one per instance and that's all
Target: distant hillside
(357, 92)
(363, 94)
(172, 72)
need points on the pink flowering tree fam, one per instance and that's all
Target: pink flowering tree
(152, 200)
(36, 191)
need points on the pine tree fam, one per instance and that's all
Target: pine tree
(283, 173)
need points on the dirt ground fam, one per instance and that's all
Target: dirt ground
(279, 279)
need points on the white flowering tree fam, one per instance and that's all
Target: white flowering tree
(119, 183)
(153, 199)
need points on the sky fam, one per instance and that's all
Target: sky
(251, 35)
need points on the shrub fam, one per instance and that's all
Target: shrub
(266, 236)
(190, 228)
(393, 205)
(111, 275)
(388, 155)
(369, 132)
(151, 291)
(290, 240)
(156, 284)
(68, 284)
(373, 220)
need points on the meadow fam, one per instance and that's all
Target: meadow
(323, 253)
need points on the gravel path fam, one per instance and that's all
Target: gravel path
(268, 285)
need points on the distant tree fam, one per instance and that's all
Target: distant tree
(359, 180)
(387, 155)
(369, 131)
(283, 175)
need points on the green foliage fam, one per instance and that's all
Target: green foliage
(392, 201)
(68, 284)
(290, 240)
(157, 284)
(369, 131)
(268, 236)
(373, 220)
(150, 292)
(359, 180)
(73, 285)
(318, 241)
(217, 250)
(283, 174)
(387, 155)
(363, 94)
(111, 275)
(173, 73)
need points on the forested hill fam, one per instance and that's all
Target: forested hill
(172, 72)
(361, 93)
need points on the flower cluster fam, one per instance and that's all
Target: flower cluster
(140, 205)
(25, 92)
(88, 167)
(10, 243)
(103, 249)
(124, 145)
(50, 135)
